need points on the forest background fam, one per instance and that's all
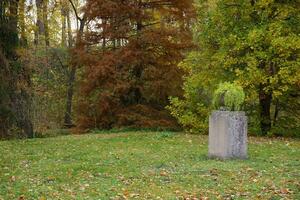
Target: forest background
(146, 64)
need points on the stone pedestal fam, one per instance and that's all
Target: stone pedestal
(228, 135)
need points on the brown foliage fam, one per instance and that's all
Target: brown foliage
(131, 57)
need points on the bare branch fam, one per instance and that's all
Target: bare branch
(75, 10)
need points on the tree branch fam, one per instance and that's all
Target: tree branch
(75, 10)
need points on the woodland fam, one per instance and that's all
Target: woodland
(92, 65)
(110, 99)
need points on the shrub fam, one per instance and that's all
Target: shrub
(229, 96)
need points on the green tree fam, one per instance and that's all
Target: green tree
(254, 43)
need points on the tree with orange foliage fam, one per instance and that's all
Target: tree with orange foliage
(132, 51)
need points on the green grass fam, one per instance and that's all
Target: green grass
(145, 166)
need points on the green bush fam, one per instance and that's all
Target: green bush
(193, 117)
(52, 133)
(229, 96)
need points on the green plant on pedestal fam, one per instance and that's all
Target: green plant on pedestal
(229, 96)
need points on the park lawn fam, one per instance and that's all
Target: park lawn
(139, 165)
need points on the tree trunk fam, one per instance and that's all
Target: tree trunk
(276, 113)
(23, 39)
(21, 106)
(1, 11)
(72, 77)
(39, 22)
(104, 35)
(70, 93)
(20, 98)
(138, 70)
(265, 100)
(45, 21)
(13, 15)
(70, 37)
(63, 26)
(5, 121)
(42, 28)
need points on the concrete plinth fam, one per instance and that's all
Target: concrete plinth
(228, 135)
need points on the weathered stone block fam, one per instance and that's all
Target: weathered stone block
(228, 135)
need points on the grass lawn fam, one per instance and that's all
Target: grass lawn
(145, 166)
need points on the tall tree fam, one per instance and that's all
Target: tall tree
(255, 43)
(42, 29)
(70, 36)
(15, 109)
(63, 23)
(46, 23)
(22, 10)
(131, 63)
(74, 64)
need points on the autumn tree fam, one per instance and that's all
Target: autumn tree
(132, 50)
